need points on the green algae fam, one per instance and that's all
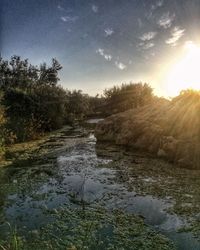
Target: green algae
(161, 179)
(92, 228)
(137, 172)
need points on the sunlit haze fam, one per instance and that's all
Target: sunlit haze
(183, 72)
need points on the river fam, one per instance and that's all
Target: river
(75, 169)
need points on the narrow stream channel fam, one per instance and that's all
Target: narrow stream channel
(82, 172)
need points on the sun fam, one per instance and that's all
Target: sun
(185, 73)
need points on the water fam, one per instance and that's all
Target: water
(81, 173)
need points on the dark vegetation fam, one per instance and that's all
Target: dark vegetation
(127, 96)
(32, 101)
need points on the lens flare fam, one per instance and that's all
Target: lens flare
(184, 74)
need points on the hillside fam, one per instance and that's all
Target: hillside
(169, 129)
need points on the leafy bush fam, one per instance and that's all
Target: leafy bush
(33, 100)
(127, 96)
(77, 105)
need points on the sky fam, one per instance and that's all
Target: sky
(101, 43)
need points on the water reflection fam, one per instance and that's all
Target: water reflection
(84, 174)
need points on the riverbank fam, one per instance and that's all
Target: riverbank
(163, 129)
(25, 150)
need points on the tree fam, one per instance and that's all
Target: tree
(49, 75)
(18, 73)
(34, 102)
(78, 104)
(127, 96)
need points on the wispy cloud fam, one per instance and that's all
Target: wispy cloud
(148, 45)
(155, 6)
(176, 34)
(95, 8)
(60, 7)
(166, 20)
(148, 36)
(108, 57)
(101, 52)
(120, 65)
(109, 31)
(158, 4)
(69, 18)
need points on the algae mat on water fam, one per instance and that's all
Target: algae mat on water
(76, 225)
(90, 228)
(159, 178)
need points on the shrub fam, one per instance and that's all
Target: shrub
(127, 96)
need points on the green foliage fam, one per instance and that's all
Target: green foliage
(34, 102)
(97, 105)
(50, 102)
(127, 96)
(78, 104)
(2, 128)
(18, 73)
(14, 242)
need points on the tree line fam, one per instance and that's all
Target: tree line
(32, 101)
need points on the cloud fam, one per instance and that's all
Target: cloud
(148, 45)
(120, 65)
(60, 7)
(69, 18)
(176, 34)
(148, 36)
(108, 57)
(109, 31)
(158, 4)
(102, 53)
(63, 9)
(166, 20)
(95, 8)
(155, 6)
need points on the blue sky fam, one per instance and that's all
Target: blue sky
(100, 43)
